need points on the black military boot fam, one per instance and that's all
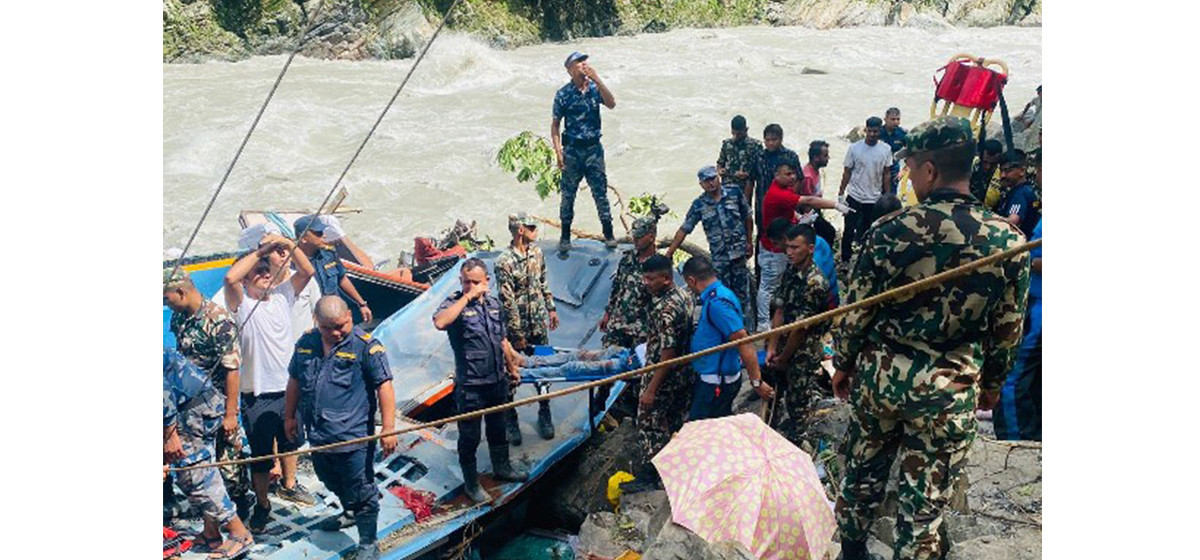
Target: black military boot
(512, 427)
(607, 229)
(545, 425)
(368, 527)
(564, 242)
(471, 487)
(502, 468)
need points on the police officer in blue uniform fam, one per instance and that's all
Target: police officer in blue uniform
(483, 369)
(330, 274)
(577, 144)
(338, 378)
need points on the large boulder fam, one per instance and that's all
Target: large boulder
(191, 33)
(401, 32)
(676, 542)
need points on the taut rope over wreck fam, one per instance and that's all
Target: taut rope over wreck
(892, 294)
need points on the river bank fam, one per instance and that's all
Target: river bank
(204, 30)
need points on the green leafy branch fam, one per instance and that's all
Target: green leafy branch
(647, 204)
(532, 159)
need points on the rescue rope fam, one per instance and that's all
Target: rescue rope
(300, 234)
(253, 124)
(894, 293)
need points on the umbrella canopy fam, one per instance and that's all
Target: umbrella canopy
(734, 478)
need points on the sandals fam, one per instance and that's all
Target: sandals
(207, 544)
(234, 547)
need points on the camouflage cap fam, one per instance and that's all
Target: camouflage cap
(644, 225)
(936, 134)
(521, 219)
(172, 282)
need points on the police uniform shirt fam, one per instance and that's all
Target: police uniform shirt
(182, 383)
(580, 111)
(476, 337)
(329, 271)
(337, 391)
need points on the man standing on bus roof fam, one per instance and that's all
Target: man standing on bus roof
(529, 312)
(338, 378)
(474, 321)
(578, 150)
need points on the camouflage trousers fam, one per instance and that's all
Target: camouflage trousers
(580, 162)
(798, 396)
(932, 441)
(199, 424)
(531, 339)
(735, 276)
(672, 402)
(235, 477)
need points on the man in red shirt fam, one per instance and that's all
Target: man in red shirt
(783, 200)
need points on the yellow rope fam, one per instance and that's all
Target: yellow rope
(894, 293)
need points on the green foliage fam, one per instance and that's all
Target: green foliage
(471, 244)
(532, 159)
(669, 14)
(646, 204)
(238, 16)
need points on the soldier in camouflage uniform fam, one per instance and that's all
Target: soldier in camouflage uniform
(578, 149)
(664, 403)
(727, 221)
(206, 335)
(628, 311)
(915, 371)
(192, 412)
(803, 292)
(738, 161)
(528, 307)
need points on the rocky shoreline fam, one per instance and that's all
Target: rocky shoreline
(996, 513)
(204, 30)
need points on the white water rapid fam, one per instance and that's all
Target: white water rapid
(433, 158)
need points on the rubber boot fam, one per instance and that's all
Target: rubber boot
(368, 526)
(367, 552)
(609, 242)
(513, 427)
(564, 242)
(545, 425)
(502, 468)
(471, 488)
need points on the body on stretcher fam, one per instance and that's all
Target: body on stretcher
(552, 365)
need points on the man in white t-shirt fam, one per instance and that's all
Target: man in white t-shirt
(260, 291)
(867, 172)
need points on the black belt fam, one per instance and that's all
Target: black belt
(581, 143)
(253, 397)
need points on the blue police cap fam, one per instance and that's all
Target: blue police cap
(309, 222)
(574, 57)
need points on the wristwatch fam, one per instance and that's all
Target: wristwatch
(363, 304)
(755, 383)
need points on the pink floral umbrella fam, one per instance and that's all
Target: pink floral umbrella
(735, 478)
